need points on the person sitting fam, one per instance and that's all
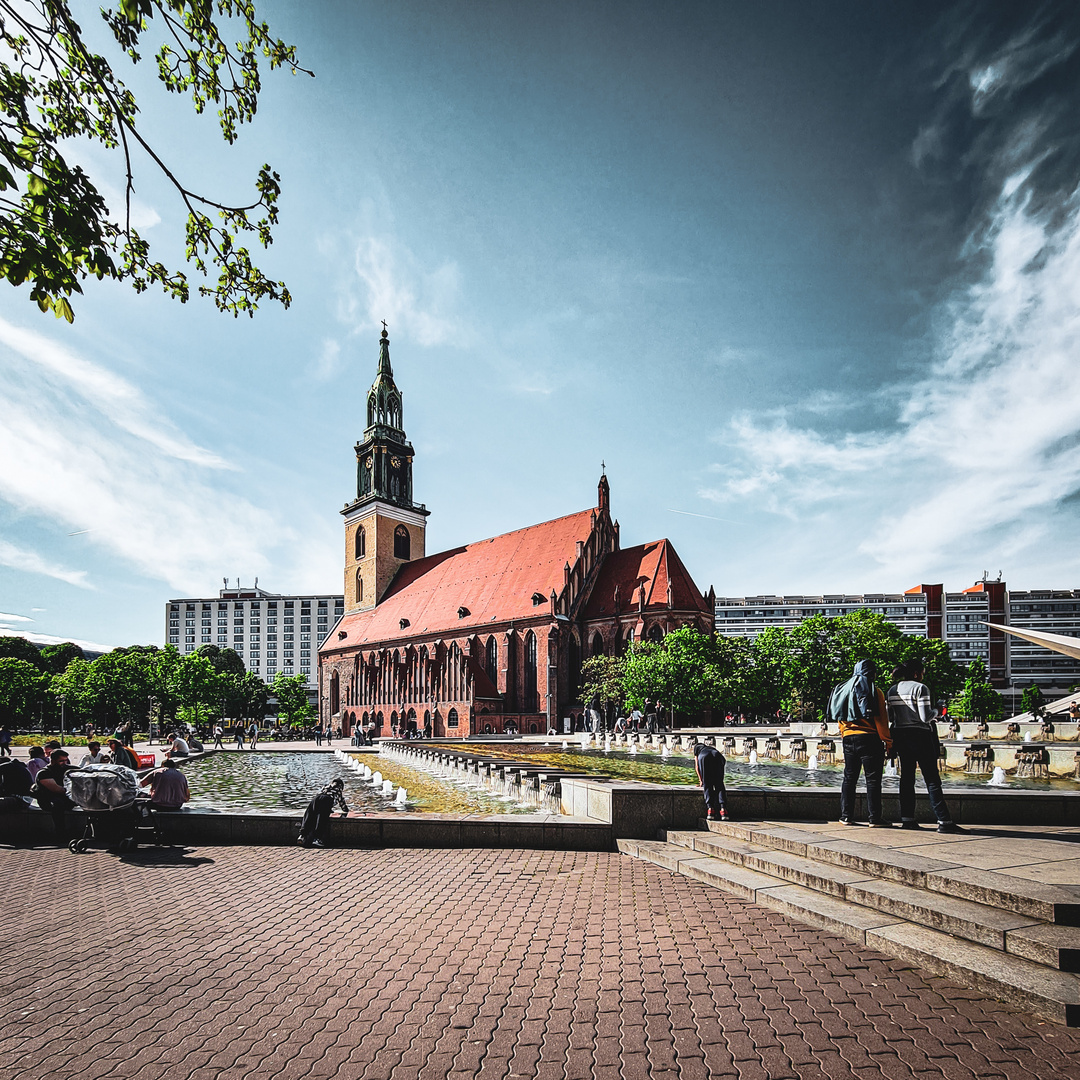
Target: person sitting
(178, 747)
(315, 827)
(49, 790)
(15, 784)
(168, 787)
(37, 761)
(123, 755)
(95, 755)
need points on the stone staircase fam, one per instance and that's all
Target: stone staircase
(1013, 939)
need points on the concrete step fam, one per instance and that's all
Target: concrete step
(1037, 901)
(1024, 982)
(975, 922)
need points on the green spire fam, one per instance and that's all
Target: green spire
(384, 353)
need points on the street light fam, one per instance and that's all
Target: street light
(150, 722)
(62, 719)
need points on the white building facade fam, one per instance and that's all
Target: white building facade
(269, 632)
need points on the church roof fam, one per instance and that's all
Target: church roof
(494, 580)
(651, 565)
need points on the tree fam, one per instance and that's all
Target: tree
(1033, 701)
(197, 685)
(55, 227)
(603, 681)
(56, 658)
(251, 696)
(22, 691)
(294, 709)
(978, 700)
(19, 648)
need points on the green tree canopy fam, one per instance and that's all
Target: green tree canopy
(57, 657)
(294, 709)
(55, 226)
(23, 687)
(978, 700)
(1033, 701)
(19, 648)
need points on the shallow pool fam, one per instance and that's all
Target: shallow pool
(678, 768)
(271, 782)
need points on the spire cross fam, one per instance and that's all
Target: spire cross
(603, 467)
(384, 326)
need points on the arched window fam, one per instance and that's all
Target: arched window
(655, 633)
(335, 694)
(575, 665)
(530, 704)
(491, 665)
(597, 644)
(401, 542)
(452, 718)
(361, 542)
(359, 588)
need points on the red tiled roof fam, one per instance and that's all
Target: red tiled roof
(652, 565)
(495, 579)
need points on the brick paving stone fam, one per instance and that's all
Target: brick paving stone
(508, 964)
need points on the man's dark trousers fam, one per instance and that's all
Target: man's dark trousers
(917, 747)
(862, 753)
(711, 763)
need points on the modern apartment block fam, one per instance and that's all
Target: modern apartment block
(271, 633)
(960, 618)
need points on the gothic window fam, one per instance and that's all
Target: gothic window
(452, 718)
(655, 633)
(597, 644)
(335, 694)
(492, 661)
(359, 588)
(401, 542)
(531, 704)
(575, 665)
(360, 542)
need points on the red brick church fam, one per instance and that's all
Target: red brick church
(493, 633)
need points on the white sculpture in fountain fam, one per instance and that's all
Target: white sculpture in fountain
(999, 779)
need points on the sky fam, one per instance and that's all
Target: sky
(804, 276)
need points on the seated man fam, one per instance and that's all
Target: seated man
(123, 755)
(37, 761)
(168, 787)
(15, 784)
(50, 794)
(178, 746)
(95, 755)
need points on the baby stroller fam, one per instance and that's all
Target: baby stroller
(115, 817)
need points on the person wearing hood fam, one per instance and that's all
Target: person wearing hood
(858, 706)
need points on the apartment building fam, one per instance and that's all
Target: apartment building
(270, 632)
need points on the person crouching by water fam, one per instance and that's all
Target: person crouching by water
(123, 755)
(710, 763)
(315, 827)
(858, 706)
(915, 740)
(168, 787)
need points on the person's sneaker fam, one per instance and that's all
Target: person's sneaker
(949, 827)
(845, 821)
(724, 815)
(910, 825)
(711, 815)
(317, 843)
(880, 825)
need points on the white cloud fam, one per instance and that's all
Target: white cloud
(83, 447)
(982, 451)
(411, 298)
(51, 639)
(31, 563)
(7, 617)
(327, 364)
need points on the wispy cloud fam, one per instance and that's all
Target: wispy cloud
(328, 362)
(7, 617)
(51, 639)
(397, 287)
(83, 447)
(30, 562)
(983, 448)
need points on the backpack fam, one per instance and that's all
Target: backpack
(840, 701)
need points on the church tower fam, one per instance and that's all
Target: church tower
(384, 528)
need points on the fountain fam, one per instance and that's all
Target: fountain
(752, 759)
(633, 748)
(664, 751)
(890, 769)
(811, 764)
(565, 745)
(999, 779)
(388, 787)
(376, 779)
(402, 796)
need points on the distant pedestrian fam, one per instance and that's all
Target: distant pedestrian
(858, 706)
(219, 734)
(238, 731)
(5, 741)
(329, 734)
(710, 763)
(253, 733)
(318, 735)
(315, 826)
(915, 740)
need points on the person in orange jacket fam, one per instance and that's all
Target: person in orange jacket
(858, 706)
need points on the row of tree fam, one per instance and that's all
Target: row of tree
(788, 671)
(133, 685)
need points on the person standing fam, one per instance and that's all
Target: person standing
(5, 741)
(219, 733)
(858, 706)
(318, 735)
(253, 733)
(238, 731)
(915, 740)
(709, 763)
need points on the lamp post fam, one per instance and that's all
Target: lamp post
(62, 719)
(150, 722)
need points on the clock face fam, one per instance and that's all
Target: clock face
(370, 461)
(395, 462)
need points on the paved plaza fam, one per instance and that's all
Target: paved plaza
(249, 962)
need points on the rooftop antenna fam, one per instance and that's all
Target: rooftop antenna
(226, 581)
(256, 583)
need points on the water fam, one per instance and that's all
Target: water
(284, 783)
(678, 768)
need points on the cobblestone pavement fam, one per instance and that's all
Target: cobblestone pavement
(257, 962)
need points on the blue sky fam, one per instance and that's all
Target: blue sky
(806, 276)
